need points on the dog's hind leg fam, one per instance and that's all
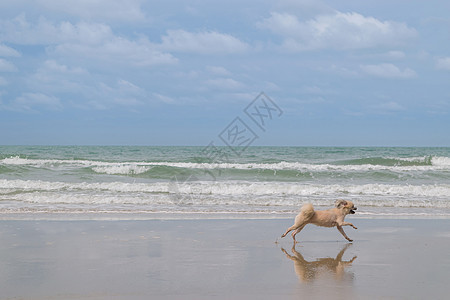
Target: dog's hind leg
(343, 233)
(297, 231)
(289, 230)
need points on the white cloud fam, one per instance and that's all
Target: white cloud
(31, 101)
(221, 71)
(84, 90)
(388, 71)
(394, 54)
(6, 66)
(224, 84)
(313, 90)
(117, 10)
(124, 93)
(8, 51)
(390, 106)
(93, 41)
(271, 86)
(53, 66)
(118, 51)
(52, 77)
(443, 63)
(383, 108)
(164, 98)
(336, 31)
(340, 70)
(43, 32)
(206, 42)
(128, 87)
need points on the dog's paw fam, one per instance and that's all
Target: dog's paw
(355, 227)
(350, 240)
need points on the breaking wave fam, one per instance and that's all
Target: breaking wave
(427, 163)
(244, 189)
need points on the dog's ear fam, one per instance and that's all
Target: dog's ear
(339, 203)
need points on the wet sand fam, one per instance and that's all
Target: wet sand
(223, 259)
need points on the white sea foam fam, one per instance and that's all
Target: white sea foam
(123, 169)
(230, 188)
(437, 163)
(441, 161)
(24, 196)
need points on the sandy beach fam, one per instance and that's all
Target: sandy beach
(222, 259)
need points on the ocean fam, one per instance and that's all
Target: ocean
(254, 181)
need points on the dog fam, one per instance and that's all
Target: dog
(326, 218)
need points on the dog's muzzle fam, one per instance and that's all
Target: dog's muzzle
(352, 211)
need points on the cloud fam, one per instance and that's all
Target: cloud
(31, 101)
(164, 98)
(390, 107)
(118, 51)
(340, 70)
(385, 70)
(53, 66)
(117, 10)
(224, 84)
(43, 32)
(206, 42)
(385, 108)
(394, 54)
(52, 77)
(8, 51)
(82, 89)
(123, 93)
(6, 66)
(218, 70)
(443, 63)
(313, 90)
(339, 31)
(83, 40)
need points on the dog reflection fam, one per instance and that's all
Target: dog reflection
(308, 271)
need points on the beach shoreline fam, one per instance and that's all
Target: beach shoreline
(222, 258)
(142, 216)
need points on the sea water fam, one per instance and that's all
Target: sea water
(271, 181)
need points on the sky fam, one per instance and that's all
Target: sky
(134, 72)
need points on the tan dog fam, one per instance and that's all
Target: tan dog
(326, 218)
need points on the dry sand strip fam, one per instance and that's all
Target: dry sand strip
(223, 259)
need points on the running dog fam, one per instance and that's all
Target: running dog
(326, 218)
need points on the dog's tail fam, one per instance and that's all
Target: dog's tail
(306, 213)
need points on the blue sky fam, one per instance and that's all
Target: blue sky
(131, 72)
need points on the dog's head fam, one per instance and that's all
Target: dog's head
(347, 206)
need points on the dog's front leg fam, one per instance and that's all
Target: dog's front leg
(348, 224)
(343, 233)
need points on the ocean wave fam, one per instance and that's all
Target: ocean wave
(122, 169)
(389, 161)
(230, 188)
(440, 161)
(131, 168)
(47, 201)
